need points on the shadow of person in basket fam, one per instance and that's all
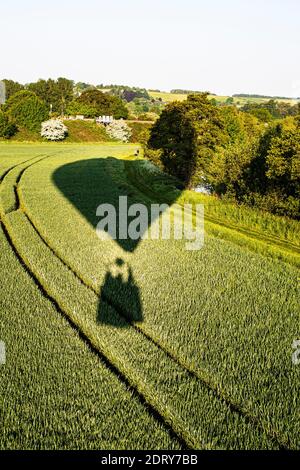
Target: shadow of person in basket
(120, 291)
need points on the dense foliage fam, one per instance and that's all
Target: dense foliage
(187, 135)
(140, 132)
(16, 98)
(77, 108)
(266, 111)
(25, 109)
(7, 128)
(232, 152)
(274, 177)
(99, 103)
(57, 94)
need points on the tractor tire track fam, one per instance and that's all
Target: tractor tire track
(16, 165)
(10, 205)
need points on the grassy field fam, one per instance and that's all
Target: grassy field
(140, 344)
(169, 97)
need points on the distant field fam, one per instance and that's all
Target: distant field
(169, 97)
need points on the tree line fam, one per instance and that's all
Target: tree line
(230, 151)
(64, 97)
(27, 106)
(60, 95)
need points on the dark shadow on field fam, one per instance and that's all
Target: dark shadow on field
(88, 184)
(120, 289)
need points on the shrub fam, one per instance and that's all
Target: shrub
(54, 129)
(7, 129)
(119, 130)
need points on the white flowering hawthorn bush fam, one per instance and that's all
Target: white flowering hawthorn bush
(119, 130)
(54, 129)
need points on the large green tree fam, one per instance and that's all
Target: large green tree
(17, 97)
(272, 180)
(186, 136)
(103, 104)
(57, 94)
(229, 165)
(283, 169)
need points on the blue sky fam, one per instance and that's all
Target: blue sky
(226, 47)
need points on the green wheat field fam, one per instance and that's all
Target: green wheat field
(116, 344)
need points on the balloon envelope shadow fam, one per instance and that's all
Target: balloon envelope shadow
(88, 184)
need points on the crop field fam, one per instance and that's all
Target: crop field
(140, 344)
(241, 101)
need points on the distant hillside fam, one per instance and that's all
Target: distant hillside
(239, 100)
(245, 95)
(184, 92)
